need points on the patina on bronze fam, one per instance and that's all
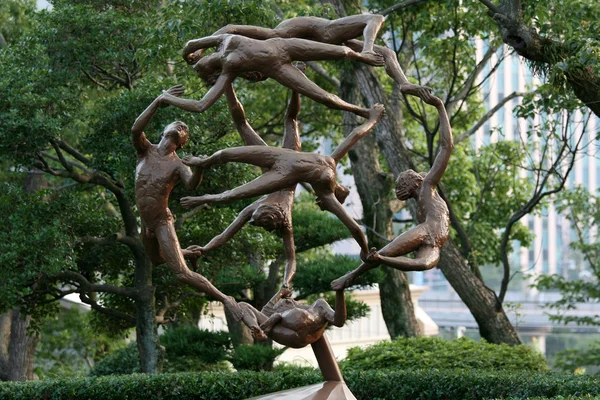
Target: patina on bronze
(274, 211)
(427, 238)
(339, 31)
(158, 170)
(239, 56)
(287, 168)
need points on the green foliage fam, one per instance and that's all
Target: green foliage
(255, 357)
(69, 346)
(437, 354)
(187, 348)
(119, 362)
(15, 19)
(191, 349)
(365, 385)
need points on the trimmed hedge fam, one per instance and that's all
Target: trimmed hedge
(367, 385)
(435, 353)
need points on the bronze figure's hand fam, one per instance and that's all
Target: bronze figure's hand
(373, 255)
(192, 161)
(193, 251)
(285, 292)
(176, 91)
(189, 202)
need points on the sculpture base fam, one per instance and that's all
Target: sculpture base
(330, 390)
(334, 387)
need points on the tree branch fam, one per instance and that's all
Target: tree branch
(113, 313)
(315, 66)
(400, 6)
(487, 116)
(74, 153)
(83, 285)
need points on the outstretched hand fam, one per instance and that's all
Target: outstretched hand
(176, 91)
(423, 92)
(193, 251)
(192, 161)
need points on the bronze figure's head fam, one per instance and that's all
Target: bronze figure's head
(177, 131)
(408, 184)
(269, 216)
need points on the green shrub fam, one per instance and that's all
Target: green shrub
(119, 362)
(187, 349)
(191, 349)
(429, 353)
(366, 385)
(255, 357)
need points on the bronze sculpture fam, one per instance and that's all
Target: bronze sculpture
(286, 168)
(340, 31)
(272, 58)
(158, 170)
(294, 324)
(427, 238)
(273, 212)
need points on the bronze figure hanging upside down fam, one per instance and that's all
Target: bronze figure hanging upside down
(287, 168)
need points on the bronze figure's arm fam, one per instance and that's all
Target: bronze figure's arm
(290, 253)
(440, 164)
(202, 43)
(248, 134)
(190, 179)
(375, 115)
(291, 134)
(233, 228)
(207, 101)
(427, 258)
(338, 317)
(140, 142)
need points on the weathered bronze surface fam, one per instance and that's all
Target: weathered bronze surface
(340, 31)
(427, 238)
(287, 168)
(158, 170)
(253, 59)
(274, 211)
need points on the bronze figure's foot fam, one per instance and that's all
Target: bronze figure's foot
(258, 333)
(343, 282)
(372, 58)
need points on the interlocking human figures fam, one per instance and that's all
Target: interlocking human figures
(295, 324)
(273, 211)
(427, 238)
(288, 167)
(158, 170)
(239, 56)
(339, 31)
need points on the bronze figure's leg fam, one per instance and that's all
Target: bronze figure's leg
(253, 318)
(267, 183)
(353, 26)
(171, 250)
(308, 50)
(254, 32)
(268, 324)
(152, 248)
(290, 77)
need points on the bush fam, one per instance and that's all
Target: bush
(429, 353)
(255, 357)
(119, 362)
(191, 349)
(187, 349)
(367, 385)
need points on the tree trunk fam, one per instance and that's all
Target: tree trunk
(494, 326)
(21, 348)
(151, 353)
(375, 188)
